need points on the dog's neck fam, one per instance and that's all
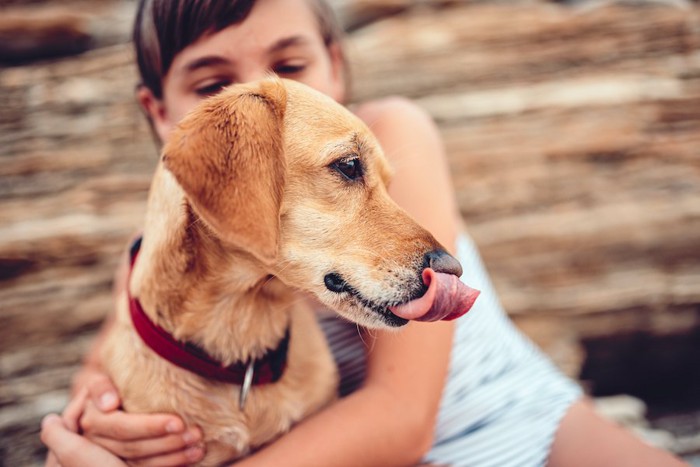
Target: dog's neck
(199, 289)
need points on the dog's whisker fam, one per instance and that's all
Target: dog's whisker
(360, 333)
(373, 334)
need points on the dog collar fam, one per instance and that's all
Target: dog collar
(267, 369)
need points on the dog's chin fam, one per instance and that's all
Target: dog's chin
(392, 321)
(372, 317)
(353, 305)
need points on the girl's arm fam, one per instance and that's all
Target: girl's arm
(391, 419)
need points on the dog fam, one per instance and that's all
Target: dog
(265, 193)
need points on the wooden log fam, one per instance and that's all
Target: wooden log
(36, 35)
(488, 46)
(56, 29)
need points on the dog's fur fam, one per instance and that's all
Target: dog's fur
(246, 210)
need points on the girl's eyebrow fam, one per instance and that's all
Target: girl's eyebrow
(287, 42)
(207, 60)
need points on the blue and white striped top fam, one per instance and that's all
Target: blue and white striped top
(503, 400)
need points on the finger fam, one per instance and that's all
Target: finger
(103, 393)
(122, 426)
(51, 460)
(71, 449)
(74, 410)
(49, 427)
(186, 457)
(83, 378)
(145, 448)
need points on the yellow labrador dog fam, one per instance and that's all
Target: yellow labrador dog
(265, 191)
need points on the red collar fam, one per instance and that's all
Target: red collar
(267, 369)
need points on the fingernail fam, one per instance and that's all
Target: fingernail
(48, 419)
(108, 400)
(174, 426)
(191, 436)
(194, 453)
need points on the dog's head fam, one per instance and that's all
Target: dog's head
(293, 178)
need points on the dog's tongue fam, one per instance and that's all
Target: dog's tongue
(447, 298)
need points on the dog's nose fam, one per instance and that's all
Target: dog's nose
(441, 261)
(335, 283)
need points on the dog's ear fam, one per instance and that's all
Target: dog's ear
(227, 155)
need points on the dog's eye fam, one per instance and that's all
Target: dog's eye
(349, 168)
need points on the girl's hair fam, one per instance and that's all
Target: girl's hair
(163, 28)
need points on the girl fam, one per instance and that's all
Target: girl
(473, 392)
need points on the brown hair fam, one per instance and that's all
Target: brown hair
(163, 28)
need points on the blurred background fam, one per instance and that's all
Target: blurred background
(573, 133)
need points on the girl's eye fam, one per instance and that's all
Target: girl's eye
(351, 169)
(211, 89)
(289, 69)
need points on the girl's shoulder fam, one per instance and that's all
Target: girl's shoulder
(399, 123)
(393, 111)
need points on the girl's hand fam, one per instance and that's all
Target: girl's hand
(140, 439)
(66, 448)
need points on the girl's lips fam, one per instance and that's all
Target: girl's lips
(447, 298)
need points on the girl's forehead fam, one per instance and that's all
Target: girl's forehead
(271, 26)
(270, 21)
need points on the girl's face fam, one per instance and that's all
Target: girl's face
(282, 36)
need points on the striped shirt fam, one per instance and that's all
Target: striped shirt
(503, 399)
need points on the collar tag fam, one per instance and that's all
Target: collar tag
(247, 383)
